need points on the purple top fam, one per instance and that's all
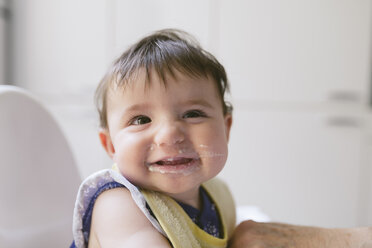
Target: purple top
(207, 218)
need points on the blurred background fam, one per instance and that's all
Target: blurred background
(300, 74)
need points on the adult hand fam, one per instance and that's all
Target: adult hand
(250, 234)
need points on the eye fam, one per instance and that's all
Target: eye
(194, 114)
(140, 120)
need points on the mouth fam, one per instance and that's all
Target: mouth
(174, 161)
(175, 165)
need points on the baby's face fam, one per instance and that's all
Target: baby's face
(167, 138)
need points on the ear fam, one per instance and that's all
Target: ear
(104, 137)
(228, 124)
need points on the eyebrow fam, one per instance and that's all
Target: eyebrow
(198, 102)
(136, 107)
(141, 106)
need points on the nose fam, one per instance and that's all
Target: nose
(169, 133)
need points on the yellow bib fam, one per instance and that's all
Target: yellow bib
(181, 230)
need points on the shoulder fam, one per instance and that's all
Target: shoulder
(113, 209)
(117, 220)
(113, 196)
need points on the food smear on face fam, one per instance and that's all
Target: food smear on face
(183, 166)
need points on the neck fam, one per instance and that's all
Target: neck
(191, 197)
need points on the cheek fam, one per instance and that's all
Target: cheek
(212, 144)
(130, 149)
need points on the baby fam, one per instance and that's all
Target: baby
(165, 124)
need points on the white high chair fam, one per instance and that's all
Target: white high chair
(38, 178)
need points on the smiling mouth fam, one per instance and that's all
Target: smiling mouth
(174, 161)
(184, 166)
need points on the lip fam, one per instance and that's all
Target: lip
(174, 159)
(175, 165)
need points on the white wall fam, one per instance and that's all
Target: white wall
(2, 40)
(300, 75)
(60, 54)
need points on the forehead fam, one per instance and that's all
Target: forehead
(144, 86)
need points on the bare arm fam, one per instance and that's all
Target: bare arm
(269, 235)
(118, 222)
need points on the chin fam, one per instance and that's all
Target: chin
(177, 187)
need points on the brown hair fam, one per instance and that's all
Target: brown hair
(163, 51)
